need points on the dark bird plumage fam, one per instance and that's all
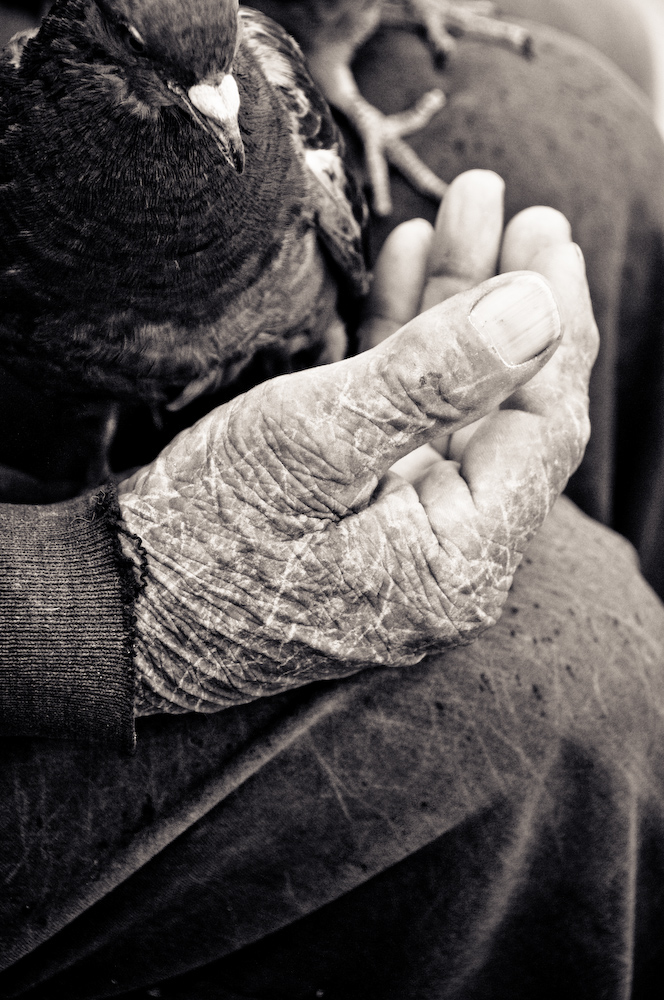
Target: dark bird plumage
(153, 239)
(331, 31)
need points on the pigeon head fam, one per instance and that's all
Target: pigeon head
(157, 53)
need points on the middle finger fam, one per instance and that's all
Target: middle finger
(467, 236)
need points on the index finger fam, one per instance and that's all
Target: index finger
(418, 268)
(398, 282)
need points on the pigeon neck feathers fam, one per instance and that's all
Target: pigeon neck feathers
(129, 248)
(142, 202)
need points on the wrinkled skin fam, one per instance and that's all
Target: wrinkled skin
(283, 544)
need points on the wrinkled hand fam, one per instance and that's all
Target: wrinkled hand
(281, 545)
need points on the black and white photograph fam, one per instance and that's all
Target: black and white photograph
(332, 499)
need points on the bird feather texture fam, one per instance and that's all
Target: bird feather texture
(133, 259)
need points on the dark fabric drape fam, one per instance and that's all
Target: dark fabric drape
(487, 824)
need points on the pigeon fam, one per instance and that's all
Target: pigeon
(331, 31)
(173, 201)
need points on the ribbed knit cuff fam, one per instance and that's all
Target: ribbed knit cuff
(66, 622)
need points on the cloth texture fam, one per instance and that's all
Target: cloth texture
(66, 610)
(486, 824)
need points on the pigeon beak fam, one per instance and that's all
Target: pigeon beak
(219, 103)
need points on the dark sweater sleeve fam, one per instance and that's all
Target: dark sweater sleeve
(66, 620)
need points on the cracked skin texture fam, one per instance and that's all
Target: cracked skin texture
(279, 553)
(512, 729)
(510, 120)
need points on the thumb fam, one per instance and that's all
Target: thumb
(347, 423)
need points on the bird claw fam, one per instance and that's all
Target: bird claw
(466, 20)
(442, 20)
(415, 118)
(382, 136)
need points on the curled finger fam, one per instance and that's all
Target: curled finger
(398, 282)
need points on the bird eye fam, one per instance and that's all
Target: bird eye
(134, 40)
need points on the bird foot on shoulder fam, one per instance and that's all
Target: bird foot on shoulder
(382, 137)
(443, 21)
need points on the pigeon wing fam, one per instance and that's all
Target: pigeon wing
(337, 205)
(12, 53)
(10, 61)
